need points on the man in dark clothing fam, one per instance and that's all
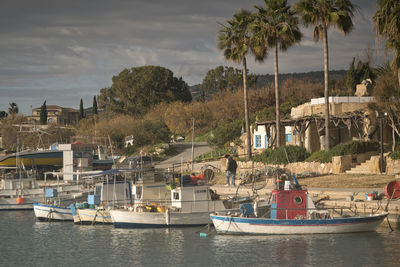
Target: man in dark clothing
(231, 167)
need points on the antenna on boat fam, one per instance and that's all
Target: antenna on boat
(112, 153)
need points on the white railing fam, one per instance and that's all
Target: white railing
(343, 99)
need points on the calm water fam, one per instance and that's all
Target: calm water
(25, 242)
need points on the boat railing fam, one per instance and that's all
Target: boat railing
(212, 205)
(326, 212)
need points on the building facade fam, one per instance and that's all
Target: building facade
(57, 115)
(350, 119)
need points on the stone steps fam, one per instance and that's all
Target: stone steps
(362, 168)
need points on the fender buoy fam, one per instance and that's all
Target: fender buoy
(20, 200)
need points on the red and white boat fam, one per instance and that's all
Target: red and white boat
(292, 211)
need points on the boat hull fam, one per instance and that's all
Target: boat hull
(132, 219)
(45, 212)
(240, 225)
(12, 206)
(92, 216)
(34, 158)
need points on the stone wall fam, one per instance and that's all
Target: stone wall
(392, 166)
(340, 164)
(343, 163)
(296, 167)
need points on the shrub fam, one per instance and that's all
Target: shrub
(395, 155)
(354, 147)
(216, 154)
(320, 156)
(349, 148)
(280, 156)
(224, 133)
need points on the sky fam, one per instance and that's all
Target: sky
(61, 51)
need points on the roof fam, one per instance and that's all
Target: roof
(50, 107)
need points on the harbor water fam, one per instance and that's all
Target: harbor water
(26, 242)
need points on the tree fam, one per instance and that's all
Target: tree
(81, 110)
(355, 75)
(387, 24)
(322, 14)
(3, 114)
(13, 109)
(43, 114)
(234, 40)
(94, 106)
(276, 26)
(136, 90)
(224, 78)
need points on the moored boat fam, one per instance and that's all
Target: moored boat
(292, 211)
(45, 212)
(96, 209)
(189, 206)
(19, 194)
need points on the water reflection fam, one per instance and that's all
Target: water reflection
(30, 243)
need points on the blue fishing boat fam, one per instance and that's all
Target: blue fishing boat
(292, 211)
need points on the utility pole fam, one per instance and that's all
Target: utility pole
(193, 145)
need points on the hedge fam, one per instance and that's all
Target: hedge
(349, 148)
(278, 155)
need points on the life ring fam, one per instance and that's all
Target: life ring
(19, 200)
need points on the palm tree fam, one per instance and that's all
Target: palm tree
(234, 40)
(276, 26)
(13, 109)
(387, 24)
(322, 14)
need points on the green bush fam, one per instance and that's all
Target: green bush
(320, 156)
(279, 156)
(215, 154)
(354, 147)
(349, 148)
(225, 133)
(395, 155)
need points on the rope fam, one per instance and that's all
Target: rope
(94, 219)
(49, 215)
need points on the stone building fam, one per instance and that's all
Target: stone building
(57, 115)
(350, 119)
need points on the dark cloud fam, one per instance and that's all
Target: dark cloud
(62, 51)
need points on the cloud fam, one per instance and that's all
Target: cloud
(66, 50)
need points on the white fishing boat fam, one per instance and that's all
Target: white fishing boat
(96, 209)
(54, 205)
(292, 211)
(134, 185)
(189, 206)
(44, 212)
(20, 194)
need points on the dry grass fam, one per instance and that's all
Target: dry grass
(336, 181)
(348, 181)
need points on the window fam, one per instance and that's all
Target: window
(288, 134)
(266, 141)
(298, 200)
(176, 196)
(258, 141)
(288, 137)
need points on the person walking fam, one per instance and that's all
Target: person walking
(231, 167)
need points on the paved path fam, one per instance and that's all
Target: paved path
(185, 154)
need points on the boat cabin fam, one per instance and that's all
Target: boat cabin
(290, 204)
(143, 192)
(195, 199)
(19, 184)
